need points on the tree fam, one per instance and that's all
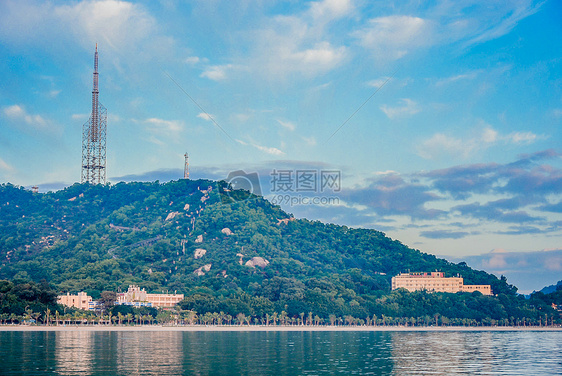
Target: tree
(107, 300)
(241, 318)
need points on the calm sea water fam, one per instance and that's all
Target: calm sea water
(281, 353)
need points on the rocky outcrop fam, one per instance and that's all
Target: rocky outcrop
(199, 239)
(257, 261)
(199, 252)
(284, 220)
(241, 258)
(201, 271)
(171, 216)
(226, 231)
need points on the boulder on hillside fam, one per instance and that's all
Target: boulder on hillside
(257, 261)
(201, 271)
(241, 257)
(199, 252)
(171, 215)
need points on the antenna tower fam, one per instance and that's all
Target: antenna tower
(93, 137)
(186, 168)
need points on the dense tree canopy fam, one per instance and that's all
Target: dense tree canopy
(226, 255)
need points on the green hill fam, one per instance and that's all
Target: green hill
(226, 253)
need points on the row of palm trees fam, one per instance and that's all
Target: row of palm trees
(188, 317)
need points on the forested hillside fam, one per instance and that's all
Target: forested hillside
(225, 253)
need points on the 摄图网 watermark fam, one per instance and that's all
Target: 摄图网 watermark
(289, 187)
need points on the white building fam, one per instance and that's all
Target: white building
(435, 282)
(80, 301)
(138, 297)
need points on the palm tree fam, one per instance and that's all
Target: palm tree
(36, 316)
(228, 319)
(191, 317)
(4, 317)
(283, 318)
(241, 318)
(146, 318)
(129, 317)
(120, 317)
(77, 317)
(27, 315)
(215, 316)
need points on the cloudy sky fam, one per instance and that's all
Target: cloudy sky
(443, 117)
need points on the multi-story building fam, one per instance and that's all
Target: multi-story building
(80, 301)
(139, 297)
(435, 282)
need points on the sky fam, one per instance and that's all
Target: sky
(439, 122)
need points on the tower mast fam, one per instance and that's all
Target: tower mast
(186, 168)
(94, 136)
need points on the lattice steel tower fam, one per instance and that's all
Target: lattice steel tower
(93, 137)
(186, 167)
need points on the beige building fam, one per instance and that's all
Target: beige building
(435, 282)
(139, 297)
(80, 301)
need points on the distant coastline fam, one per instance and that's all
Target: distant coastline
(263, 328)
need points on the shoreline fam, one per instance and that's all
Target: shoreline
(263, 328)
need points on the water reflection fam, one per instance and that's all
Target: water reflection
(286, 353)
(280, 353)
(475, 353)
(149, 353)
(73, 352)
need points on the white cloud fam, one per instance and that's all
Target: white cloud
(161, 126)
(378, 82)
(441, 145)
(488, 136)
(266, 149)
(217, 72)
(18, 113)
(269, 150)
(5, 166)
(205, 116)
(522, 137)
(118, 24)
(330, 9)
(54, 93)
(467, 22)
(392, 37)
(241, 117)
(287, 125)
(126, 28)
(310, 141)
(287, 56)
(300, 43)
(458, 77)
(80, 116)
(408, 108)
(192, 60)
(512, 13)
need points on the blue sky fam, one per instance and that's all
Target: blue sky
(458, 153)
